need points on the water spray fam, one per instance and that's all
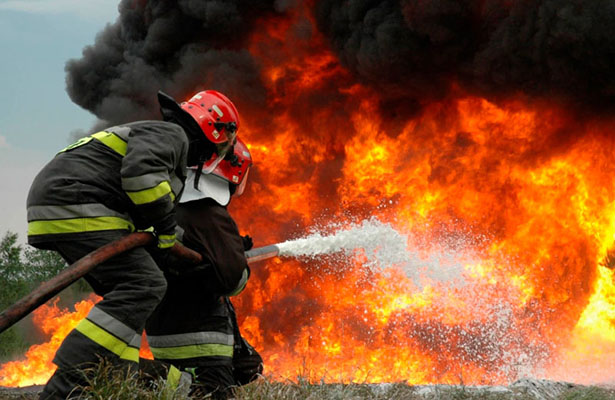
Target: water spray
(389, 242)
(380, 242)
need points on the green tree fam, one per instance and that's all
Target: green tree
(21, 270)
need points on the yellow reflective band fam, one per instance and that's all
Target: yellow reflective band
(239, 289)
(166, 241)
(78, 143)
(46, 227)
(107, 340)
(130, 354)
(113, 141)
(192, 351)
(152, 194)
(242, 283)
(173, 377)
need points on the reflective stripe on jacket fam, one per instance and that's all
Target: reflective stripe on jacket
(46, 220)
(124, 177)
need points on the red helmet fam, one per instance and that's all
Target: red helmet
(218, 118)
(235, 168)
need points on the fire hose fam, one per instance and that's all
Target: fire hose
(81, 267)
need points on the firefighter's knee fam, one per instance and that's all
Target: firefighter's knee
(158, 286)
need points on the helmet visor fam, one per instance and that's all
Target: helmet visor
(222, 149)
(242, 185)
(211, 164)
(228, 129)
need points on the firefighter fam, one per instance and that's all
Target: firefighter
(105, 186)
(194, 327)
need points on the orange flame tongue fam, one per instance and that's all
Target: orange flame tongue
(37, 367)
(529, 189)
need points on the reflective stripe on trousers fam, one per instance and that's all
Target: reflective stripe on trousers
(131, 285)
(191, 345)
(111, 334)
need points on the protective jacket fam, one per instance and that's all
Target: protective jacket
(123, 177)
(96, 191)
(194, 328)
(192, 325)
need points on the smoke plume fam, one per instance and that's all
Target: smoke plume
(418, 49)
(410, 51)
(175, 46)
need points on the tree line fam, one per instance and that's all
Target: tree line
(22, 268)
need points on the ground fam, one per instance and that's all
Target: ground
(523, 389)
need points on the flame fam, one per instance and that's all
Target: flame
(36, 367)
(530, 227)
(507, 207)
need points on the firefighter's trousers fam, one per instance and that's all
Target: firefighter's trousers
(131, 285)
(197, 331)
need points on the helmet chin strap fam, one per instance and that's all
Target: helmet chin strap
(200, 151)
(197, 176)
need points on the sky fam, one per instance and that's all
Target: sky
(37, 38)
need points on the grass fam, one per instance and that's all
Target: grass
(591, 393)
(264, 389)
(103, 383)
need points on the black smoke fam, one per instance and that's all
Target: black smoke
(409, 51)
(176, 46)
(561, 50)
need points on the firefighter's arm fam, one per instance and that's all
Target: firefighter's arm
(206, 272)
(174, 265)
(152, 155)
(245, 275)
(214, 233)
(241, 285)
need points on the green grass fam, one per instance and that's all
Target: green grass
(591, 393)
(264, 389)
(103, 383)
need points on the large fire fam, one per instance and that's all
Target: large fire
(529, 230)
(508, 207)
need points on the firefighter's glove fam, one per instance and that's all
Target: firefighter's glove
(166, 240)
(247, 242)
